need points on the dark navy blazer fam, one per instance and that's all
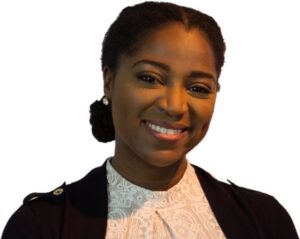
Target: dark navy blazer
(79, 211)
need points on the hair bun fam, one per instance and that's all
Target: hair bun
(101, 121)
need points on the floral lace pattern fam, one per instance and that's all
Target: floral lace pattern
(180, 212)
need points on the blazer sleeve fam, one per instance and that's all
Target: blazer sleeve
(40, 217)
(284, 226)
(272, 217)
(21, 225)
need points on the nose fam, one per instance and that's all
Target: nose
(174, 101)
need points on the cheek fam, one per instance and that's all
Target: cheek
(202, 116)
(204, 109)
(126, 107)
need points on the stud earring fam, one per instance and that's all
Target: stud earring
(105, 101)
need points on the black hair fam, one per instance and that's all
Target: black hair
(126, 32)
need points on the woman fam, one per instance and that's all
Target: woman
(161, 64)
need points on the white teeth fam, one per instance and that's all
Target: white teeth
(163, 130)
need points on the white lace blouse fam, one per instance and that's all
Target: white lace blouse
(180, 212)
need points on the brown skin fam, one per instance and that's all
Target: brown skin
(179, 92)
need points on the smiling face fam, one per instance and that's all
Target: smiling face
(162, 97)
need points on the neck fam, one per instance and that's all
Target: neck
(149, 176)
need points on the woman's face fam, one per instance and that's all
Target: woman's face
(163, 96)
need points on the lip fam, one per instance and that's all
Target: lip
(166, 137)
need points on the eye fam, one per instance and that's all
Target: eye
(148, 78)
(200, 89)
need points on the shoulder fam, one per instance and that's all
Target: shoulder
(37, 211)
(263, 209)
(44, 212)
(246, 197)
(251, 196)
(269, 212)
(53, 195)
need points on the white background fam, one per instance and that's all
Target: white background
(50, 73)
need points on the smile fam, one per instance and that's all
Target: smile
(163, 130)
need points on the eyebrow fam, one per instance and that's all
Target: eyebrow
(201, 74)
(155, 63)
(193, 74)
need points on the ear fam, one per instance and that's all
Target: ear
(108, 82)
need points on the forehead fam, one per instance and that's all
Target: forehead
(176, 45)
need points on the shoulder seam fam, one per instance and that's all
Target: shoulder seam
(59, 191)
